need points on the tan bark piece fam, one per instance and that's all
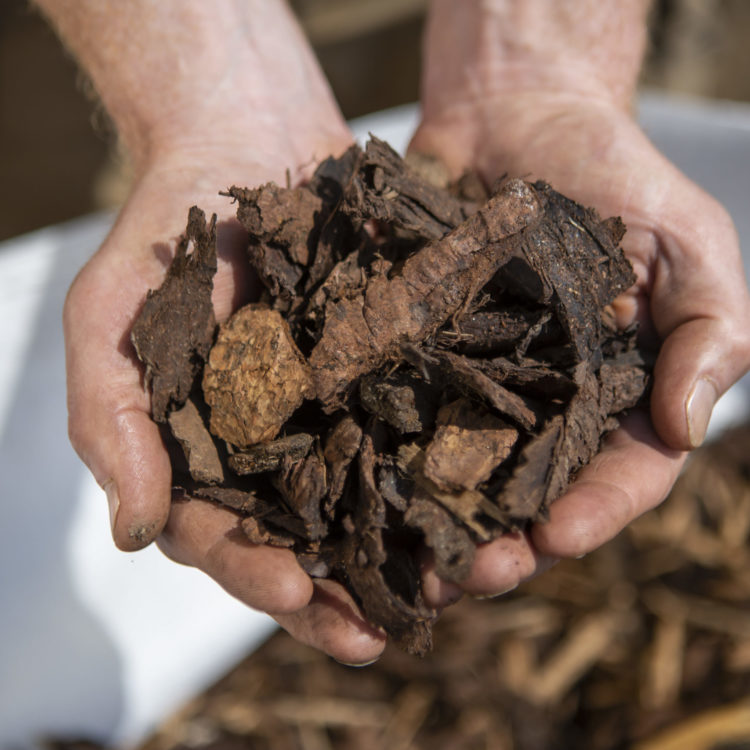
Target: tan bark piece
(468, 445)
(255, 377)
(200, 450)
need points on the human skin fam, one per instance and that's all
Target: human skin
(205, 95)
(546, 90)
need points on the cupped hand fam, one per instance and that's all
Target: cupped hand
(110, 424)
(691, 300)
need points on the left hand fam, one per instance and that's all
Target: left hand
(690, 297)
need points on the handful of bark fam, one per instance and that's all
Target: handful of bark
(427, 365)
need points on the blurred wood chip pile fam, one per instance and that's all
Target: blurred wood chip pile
(644, 644)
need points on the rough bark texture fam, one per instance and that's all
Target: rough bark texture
(175, 329)
(437, 382)
(255, 377)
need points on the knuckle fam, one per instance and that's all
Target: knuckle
(76, 291)
(171, 548)
(215, 561)
(289, 596)
(76, 432)
(720, 217)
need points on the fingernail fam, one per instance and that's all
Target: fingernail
(113, 500)
(700, 404)
(481, 597)
(357, 666)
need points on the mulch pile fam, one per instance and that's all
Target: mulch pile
(644, 644)
(428, 364)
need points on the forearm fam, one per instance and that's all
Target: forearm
(488, 47)
(171, 71)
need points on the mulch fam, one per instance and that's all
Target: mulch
(643, 644)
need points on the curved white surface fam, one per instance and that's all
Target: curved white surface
(94, 642)
(99, 643)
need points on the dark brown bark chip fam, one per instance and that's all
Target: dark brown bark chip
(230, 497)
(532, 378)
(270, 456)
(339, 234)
(623, 380)
(303, 486)
(341, 447)
(400, 611)
(524, 494)
(452, 545)
(174, 331)
(395, 487)
(392, 192)
(428, 366)
(470, 378)
(282, 229)
(403, 401)
(577, 256)
(498, 331)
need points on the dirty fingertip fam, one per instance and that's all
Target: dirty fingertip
(438, 593)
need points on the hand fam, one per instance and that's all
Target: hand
(690, 297)
(202, 96)
(110, 424)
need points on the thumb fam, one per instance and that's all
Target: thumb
(135, 474)
(697, 363)
(700, 307)
(109, 423)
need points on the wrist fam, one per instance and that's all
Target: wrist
(243, 147)
(501, 49)
(282, 120)
(529, 134)
(181, 75)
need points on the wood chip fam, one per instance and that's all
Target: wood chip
(255, 377)
(582, 647)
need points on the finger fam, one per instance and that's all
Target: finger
(138, 477)
(632, 473)
(499, 567)
(700, 308)
(108, 406)
(437, 592)
(109, 424)
(333, 624)
(697, 363)
(208, 537)
(127, 458)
